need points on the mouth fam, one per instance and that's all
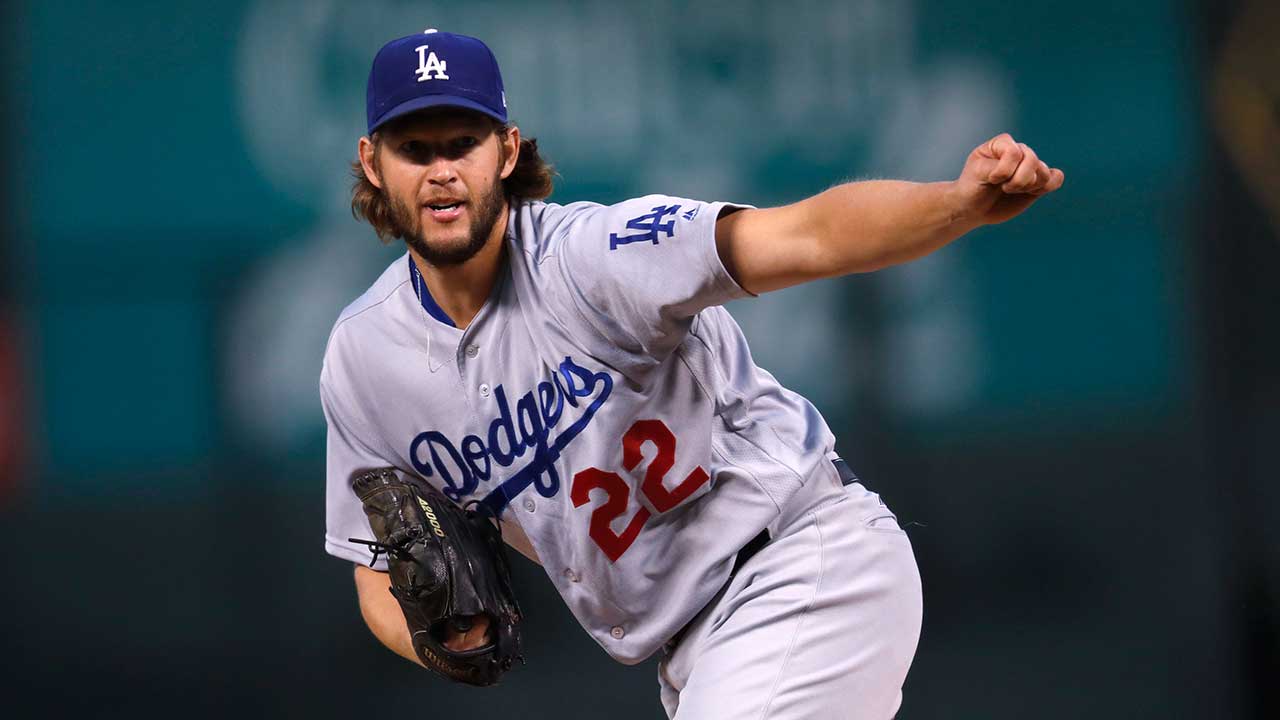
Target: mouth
(445, 212)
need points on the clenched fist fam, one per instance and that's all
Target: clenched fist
(1001, 178)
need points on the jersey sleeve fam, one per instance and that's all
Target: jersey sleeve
(346, 454)
(639, 271)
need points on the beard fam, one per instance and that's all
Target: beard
(484, 215)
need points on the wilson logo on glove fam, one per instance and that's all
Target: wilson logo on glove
(431, 517)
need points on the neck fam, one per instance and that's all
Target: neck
(461, 290)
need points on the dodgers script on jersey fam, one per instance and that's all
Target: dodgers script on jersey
(601, 400)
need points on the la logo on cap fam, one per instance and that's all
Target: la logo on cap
(464, 69)
(428, 63)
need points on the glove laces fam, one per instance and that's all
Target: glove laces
(395, 547)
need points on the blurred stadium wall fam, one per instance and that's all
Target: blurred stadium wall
(1072, 409)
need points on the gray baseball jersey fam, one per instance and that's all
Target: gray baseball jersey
(601, 399)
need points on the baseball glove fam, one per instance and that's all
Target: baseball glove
(447, 564)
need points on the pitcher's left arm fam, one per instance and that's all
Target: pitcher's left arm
(868, 225)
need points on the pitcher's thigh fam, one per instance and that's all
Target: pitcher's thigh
(833, 639)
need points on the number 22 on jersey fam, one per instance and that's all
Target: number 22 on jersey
(618, 493)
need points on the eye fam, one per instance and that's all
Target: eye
(460, 146)
(415, 150)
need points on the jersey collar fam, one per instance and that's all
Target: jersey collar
(424, 295)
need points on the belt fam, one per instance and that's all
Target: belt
(846, 473)
(753, 546)
(757, 543)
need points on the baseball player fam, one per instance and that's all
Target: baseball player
(569, 371)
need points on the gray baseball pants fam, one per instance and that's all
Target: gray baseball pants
(821, 623)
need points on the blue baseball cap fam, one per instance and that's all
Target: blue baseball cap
(434, 69)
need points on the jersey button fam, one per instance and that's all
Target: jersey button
(484, 390)
(617, 632)
(473, 350)
(528, 504)
(570, 575)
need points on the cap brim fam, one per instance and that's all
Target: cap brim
(430, 101)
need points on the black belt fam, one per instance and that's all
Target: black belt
(847, 477)
(846, 473)
(751, 548)
(755, 544)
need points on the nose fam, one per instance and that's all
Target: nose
(441, 171)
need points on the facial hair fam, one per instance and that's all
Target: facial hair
(486, 210)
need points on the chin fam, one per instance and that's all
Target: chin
(444, 251)
(449, 244)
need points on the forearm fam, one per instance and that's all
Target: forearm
(869, 225)
(851, 228)
(382, 613)
(865, 226)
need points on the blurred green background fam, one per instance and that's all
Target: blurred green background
(1073, 408)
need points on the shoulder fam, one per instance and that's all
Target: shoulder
(392, 279)
(540, 228)
(369, 313)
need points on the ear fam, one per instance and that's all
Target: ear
(510, 150)
(366, 149)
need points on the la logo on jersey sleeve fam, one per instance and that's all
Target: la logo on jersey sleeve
(651, 226)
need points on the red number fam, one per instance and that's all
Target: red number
(616, 496)
(656, 432)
